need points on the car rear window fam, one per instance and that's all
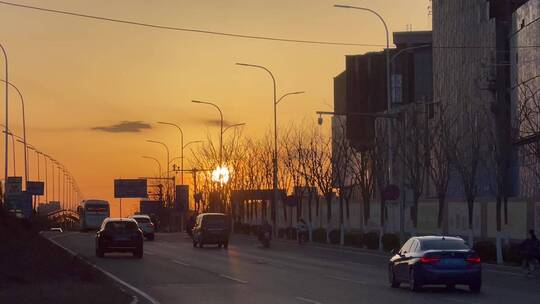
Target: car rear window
(214, 220)
(97, 208)
(142, 219)
(444, 245)
(121, 226)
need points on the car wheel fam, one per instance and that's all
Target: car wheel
(138, 253)
(392, 278)
(476, 286)
(100, 253)
(413, 282)
(194, 244)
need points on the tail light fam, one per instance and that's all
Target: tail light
(429, 259)
(473, 260)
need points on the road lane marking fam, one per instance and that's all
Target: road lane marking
(110, 275)
(233, 278)
(308, 300)
(181, 263)
(62, 234)
(458, 301)
(358, 264)
(346, 280)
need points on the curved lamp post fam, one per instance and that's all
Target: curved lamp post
(221, 127)
(181, 148)
(275, 161)
(156, 160)
(25, 142)
(388, 83)
(6, 122)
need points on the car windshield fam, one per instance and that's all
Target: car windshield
(214, 221)
(444, 245)
(142, 220)
(121, 226)
(97, 208)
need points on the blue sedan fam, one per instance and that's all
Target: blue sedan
(435, 260)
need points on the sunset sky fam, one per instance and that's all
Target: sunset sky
(81, 76)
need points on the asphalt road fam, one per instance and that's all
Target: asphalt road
(172, 271)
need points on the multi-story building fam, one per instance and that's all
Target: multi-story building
(471, 80)
(525, 91)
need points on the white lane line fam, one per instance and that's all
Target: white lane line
(62, 234)
(346, 280)
(358, 264)
(110, 275)
(458, 301)
(505, 272)
(233, 278)
(135, 300)
(308, 300)
(181, 263)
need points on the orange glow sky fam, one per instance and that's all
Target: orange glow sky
(77, 74)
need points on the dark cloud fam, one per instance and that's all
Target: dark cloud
(216, 122)
(125, 127)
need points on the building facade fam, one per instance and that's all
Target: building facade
(525, 92)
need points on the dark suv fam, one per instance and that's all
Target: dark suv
(119, 235)
(211, 228)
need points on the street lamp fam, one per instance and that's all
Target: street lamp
(24, 130)
(6, 122)
(157, 161)
(168, 172)
(13, 144)
(181, 148)
(185, 146)
(275, 161)
(234, 126)
(192, 142)
(388, 89)
(221, 127)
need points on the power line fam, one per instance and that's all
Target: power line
(172, 28)
(234, 35)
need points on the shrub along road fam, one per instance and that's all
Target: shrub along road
(33, 270)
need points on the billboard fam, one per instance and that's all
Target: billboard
(35, 188)
(150, 207)
(181, 201)
(14, 184)
(130, 188)
(20, 203)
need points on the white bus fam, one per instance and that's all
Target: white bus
(92, 213)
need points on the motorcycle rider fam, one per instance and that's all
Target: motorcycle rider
(301, 230)
(265, 233)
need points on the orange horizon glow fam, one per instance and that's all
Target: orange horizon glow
(82, 78)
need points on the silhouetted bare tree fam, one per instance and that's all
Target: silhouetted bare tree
(441, 148)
